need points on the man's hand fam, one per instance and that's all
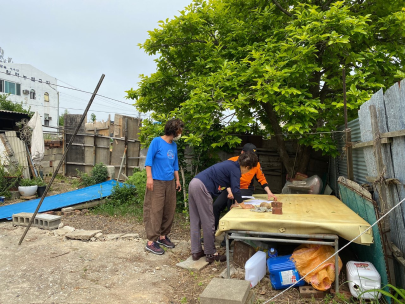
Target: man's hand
(178, 186)
(149, 183)
(230, 194)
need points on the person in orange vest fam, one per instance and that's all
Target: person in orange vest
(246, 186)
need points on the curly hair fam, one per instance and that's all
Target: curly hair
(248, 159)
(173, 126)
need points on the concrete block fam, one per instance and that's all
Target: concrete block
(42, 221)
(22, 219)
(67, 209)
(309, 292)
(47, 221)
(224, 291)
(193, 265)
(83, 235)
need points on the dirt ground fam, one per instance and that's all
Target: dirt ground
(51, 269)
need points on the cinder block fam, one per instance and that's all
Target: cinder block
(42, 221)
(22, 219)
(47, 221)
(45, 164)
(309, 292)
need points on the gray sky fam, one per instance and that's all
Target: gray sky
(78, 40)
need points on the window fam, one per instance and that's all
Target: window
(46, 120)
(10, 87)
(32, 94)
(46, 96)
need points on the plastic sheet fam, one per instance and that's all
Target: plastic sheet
(307, 256)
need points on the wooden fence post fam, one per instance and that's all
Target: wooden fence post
(126, 146)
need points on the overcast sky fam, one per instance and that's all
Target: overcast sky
(78, 40)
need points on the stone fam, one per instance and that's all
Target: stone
(112, 237)
(193, 265)
(232, 271)
(98, 235)
(67, 209)
(181, 247)
(61, 225)
(83, 235)
(67, 213)
(78, 212)
(63, 231)
(157, 268)
(130, 236)
(93, 239)
(225, 291)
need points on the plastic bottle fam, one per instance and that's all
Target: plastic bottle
(273, 253)
(255, 268)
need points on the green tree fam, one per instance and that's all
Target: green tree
(8, 105)
(279, 63)
(62, 118)
(93, 117)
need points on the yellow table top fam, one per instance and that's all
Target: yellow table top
(302, 214)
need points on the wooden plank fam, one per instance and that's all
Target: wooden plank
(371, 143)
(393, 133)
(76, 152)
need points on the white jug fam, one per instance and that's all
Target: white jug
(255, 268)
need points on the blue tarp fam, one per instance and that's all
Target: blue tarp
(60, 200)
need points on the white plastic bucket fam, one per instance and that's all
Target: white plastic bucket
(363, 276)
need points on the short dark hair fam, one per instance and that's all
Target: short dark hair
(248, 159)
(173, 126)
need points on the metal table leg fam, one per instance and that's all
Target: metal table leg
(336, 266)
(228, 270)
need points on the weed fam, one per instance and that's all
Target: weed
(98, 174)
(183, 300)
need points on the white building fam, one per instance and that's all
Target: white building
(34, 89)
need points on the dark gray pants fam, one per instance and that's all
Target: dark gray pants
(201, 216)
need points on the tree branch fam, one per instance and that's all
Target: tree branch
(282, 9)
(325, 6)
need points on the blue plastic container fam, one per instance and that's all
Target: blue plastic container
(282, 272)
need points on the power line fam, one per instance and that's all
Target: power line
(79, 90)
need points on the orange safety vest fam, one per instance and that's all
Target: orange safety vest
(247, 178)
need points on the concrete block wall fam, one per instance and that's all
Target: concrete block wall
(52, 157)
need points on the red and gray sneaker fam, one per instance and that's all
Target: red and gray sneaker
(154, 248)
(166, 242)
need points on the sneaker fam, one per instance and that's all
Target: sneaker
(166, 242)
(154, 248)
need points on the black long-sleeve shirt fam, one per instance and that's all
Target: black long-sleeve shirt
(221, 176)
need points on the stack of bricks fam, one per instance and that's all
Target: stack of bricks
(42, 221)
(277, 207)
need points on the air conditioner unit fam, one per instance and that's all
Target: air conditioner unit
(26, 92)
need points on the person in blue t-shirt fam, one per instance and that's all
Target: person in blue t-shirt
(162, 171)
(202, 189)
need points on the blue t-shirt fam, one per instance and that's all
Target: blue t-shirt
(222, 175)
(162, 157)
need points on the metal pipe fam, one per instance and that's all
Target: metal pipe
(282, 240)
(317, 236)
(228, 270)
(63, 158)
(336, 267)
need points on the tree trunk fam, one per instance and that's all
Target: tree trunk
(282, 150)
(304, 157)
